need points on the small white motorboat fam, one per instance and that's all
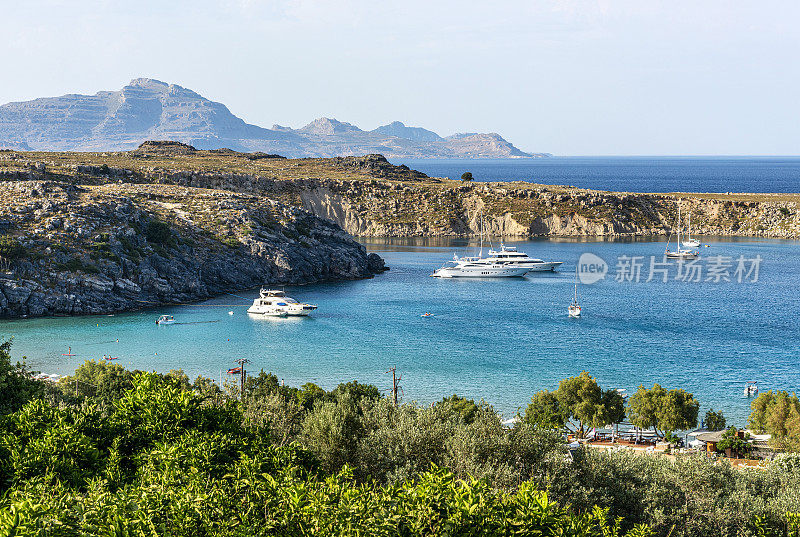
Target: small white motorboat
(274, 303)
(751, 388)
(166, 319)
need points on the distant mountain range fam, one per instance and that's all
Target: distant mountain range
(148, 109)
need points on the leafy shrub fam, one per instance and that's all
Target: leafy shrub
(158, 232)
(715, 421)
(11, 248)
(16, 386)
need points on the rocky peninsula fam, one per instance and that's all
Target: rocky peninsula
(166, 223)
(68, 248)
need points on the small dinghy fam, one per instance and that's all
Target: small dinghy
(751, 388)
(166, 319)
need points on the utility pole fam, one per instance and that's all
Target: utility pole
(395, 380)
(243, 375)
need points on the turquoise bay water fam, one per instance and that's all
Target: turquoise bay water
(500, 340)
(632, 174)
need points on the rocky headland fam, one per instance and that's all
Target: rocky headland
(167, 223)
(72, 249)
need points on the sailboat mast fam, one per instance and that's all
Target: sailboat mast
(689, 228)
(679, 226)
(576, 284)
(480, 254)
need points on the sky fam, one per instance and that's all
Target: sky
(569, 77)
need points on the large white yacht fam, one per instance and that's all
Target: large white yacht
(508, 255)
(478, 267)
(274, 303)
(505, 263)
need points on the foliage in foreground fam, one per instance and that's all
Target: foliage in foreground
(107, 459)
(163, 463)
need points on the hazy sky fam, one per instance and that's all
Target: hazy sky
(569, 77)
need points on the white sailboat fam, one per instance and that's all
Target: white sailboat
(574, 309)
(680, 253)
(690, 242)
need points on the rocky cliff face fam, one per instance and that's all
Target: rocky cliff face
(71, 249)
(149, 109)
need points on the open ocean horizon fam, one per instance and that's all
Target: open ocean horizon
(740, 174)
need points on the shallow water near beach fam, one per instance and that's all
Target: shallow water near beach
(500, 340)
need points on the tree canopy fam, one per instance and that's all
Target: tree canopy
(778, 414)
(661, 409)
(714, 421)
(16, 385)
(578, 403)
(466, 176)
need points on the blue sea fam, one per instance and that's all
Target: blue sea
(499, 340)
(631, 174)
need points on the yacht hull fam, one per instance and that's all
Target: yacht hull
(681, 255)
(480, 272)
(267, 313)
(547, 266)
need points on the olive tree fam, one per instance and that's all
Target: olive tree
(777, 414)
(659, 408)
(714, 421)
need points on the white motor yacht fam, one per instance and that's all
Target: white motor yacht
(274, 303)
(166, 319)
(478, 267)
(508, 255)
(506, 263)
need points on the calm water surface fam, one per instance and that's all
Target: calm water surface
(500, 340)
(632, 174)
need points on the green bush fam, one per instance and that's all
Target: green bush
(16, 385)
(11, 249)
(158, 232)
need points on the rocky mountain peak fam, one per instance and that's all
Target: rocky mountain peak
(328, 127)
(151, 83)
(400, 130)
